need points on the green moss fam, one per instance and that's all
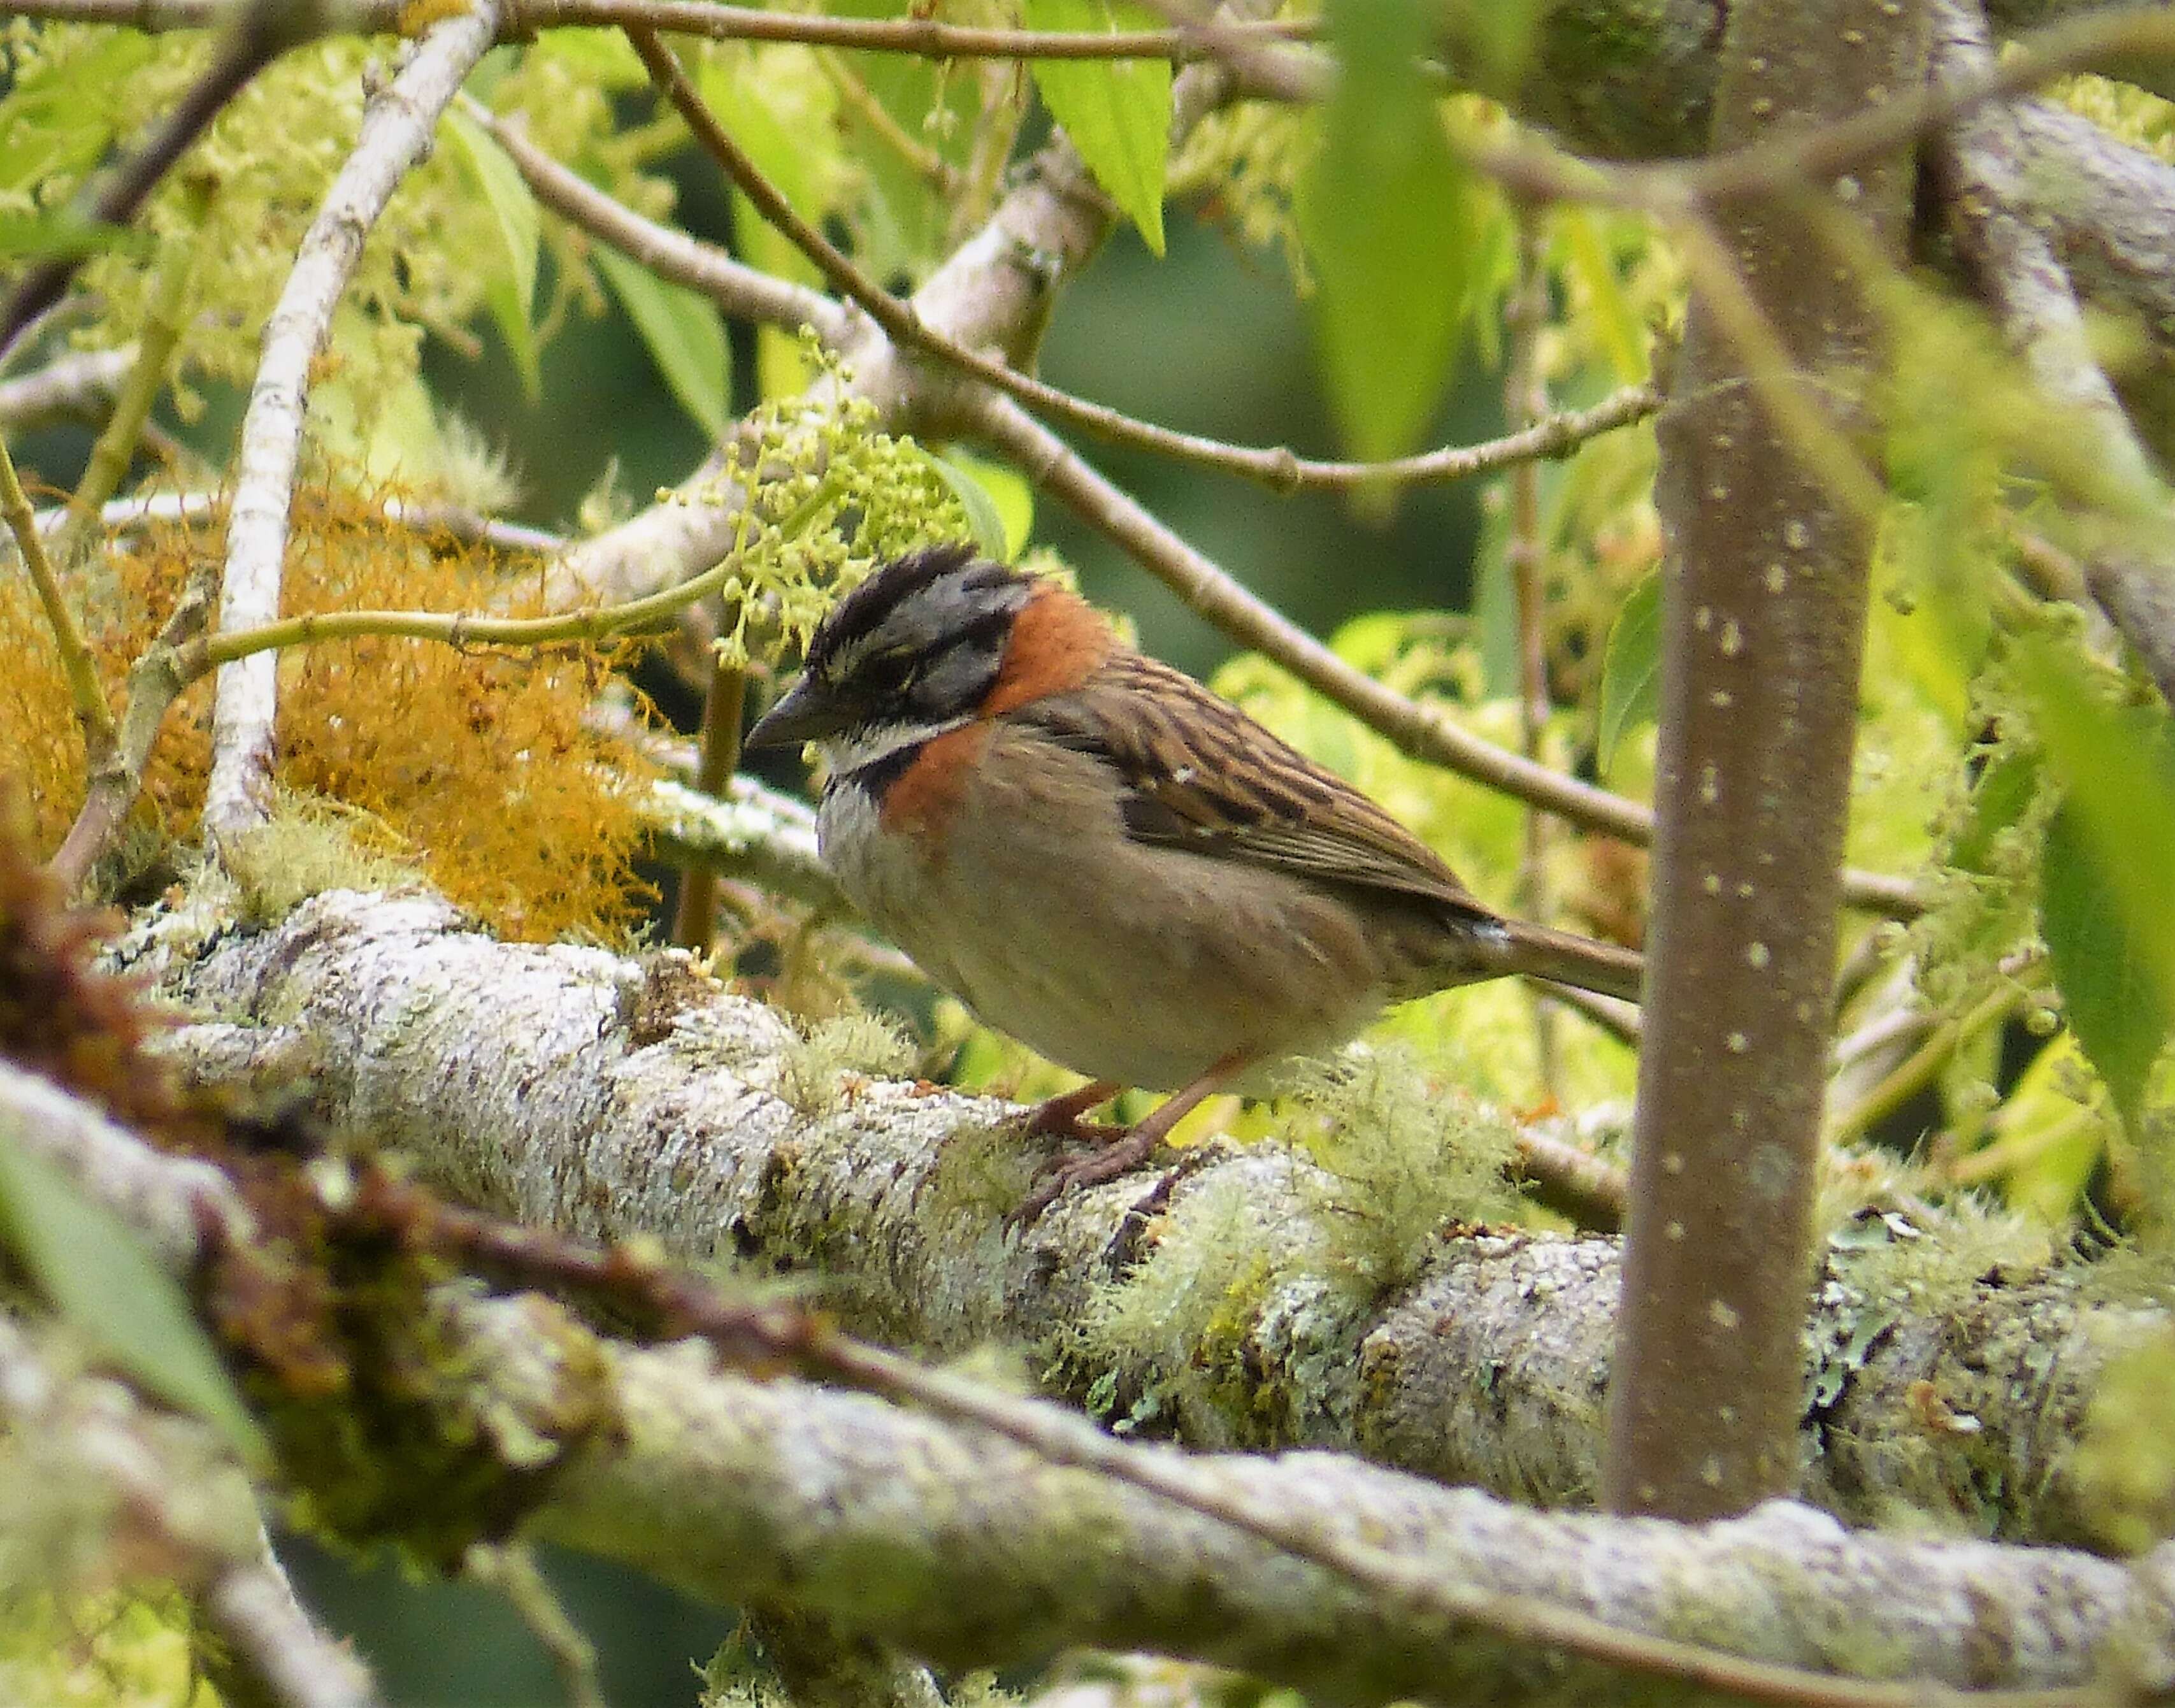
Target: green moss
(1402, 1157)
(2125, 1465)
(834, 1058)
(311, 843)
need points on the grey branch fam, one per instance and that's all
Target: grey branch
(1985, 161)
(967, 1550)
(79, 386)
(396, 135)
(165, 1478)
(574, 1088)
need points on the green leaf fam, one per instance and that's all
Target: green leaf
(61, 235)
(983, 519)
(1498, 33)
(2114, 1004)
(599, 57)
(97, 1275)
(2109, 903)
(1631, 667)
(1622, 336)
(1117, 112)
(511, 295)
(685, 334)
(1999, 798)
(1007, 491)
(1394, 224)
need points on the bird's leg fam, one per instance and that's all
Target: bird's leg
(1058, 1117)
(1118, 1150)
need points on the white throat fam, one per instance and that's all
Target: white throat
(846, 753)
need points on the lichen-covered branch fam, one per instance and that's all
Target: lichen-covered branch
(396, 133)
(607, 1098)
(877, 1518)
(173, 1497)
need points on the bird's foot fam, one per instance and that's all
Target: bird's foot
(1060, 1117)
(1106, 1152)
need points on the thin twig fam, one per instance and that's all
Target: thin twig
(1571, 1181)
(116, 446)
(262, 31)
(454, 628)
(92, 713)
(513, 1572)
(1916, 1071)
(927, 38)
(695, 924)
(1524, 401)
(871, 112)
(1277, 468)
(1419, 731)
(396, 135)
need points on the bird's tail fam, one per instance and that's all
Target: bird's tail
(1504, 946)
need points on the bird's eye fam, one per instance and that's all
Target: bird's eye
(890, 672)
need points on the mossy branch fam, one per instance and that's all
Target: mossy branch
(92, 713)
(767, 1492)
(572, 1062)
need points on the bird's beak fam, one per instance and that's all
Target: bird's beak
(807, 714)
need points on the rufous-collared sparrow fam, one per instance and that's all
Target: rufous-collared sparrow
(1104, 859)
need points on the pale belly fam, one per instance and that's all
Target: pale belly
(1146, 970)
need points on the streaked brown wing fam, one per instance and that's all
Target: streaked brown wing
(1199, 773)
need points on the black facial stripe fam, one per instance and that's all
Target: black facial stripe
(864, 610)
(876, 777)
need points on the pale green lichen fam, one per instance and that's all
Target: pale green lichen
(309, 844)
(1402, 1157)
(833, 1058)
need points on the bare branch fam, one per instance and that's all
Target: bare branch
(80, 384)
(396, 135)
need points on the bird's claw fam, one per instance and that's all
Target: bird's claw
(1109, 1152)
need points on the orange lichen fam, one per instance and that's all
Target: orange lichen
(476, 762)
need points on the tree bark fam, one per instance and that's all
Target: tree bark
(610, 1098)
(1763, 602)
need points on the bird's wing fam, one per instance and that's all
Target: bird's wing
(1199, 774)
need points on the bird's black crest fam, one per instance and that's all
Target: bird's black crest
(863, 610)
